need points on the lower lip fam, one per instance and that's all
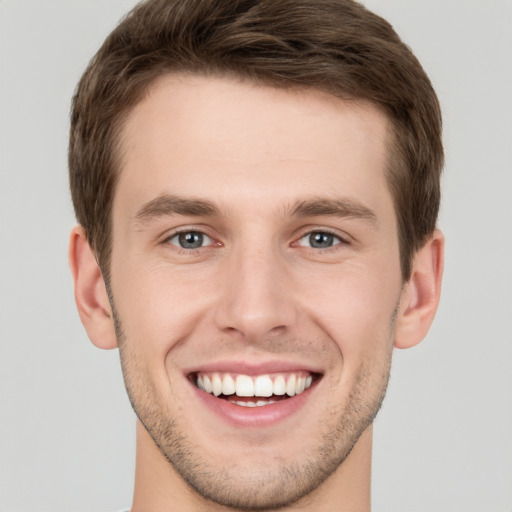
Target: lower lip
(260, 416)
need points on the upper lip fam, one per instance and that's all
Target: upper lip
(252, 368)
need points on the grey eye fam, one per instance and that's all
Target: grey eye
(319, 240)
(190, 240)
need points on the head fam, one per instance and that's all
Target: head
(258, 186)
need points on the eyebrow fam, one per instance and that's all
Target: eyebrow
(168, 204)
(344, 207)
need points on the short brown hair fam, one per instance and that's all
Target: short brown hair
(336, 46)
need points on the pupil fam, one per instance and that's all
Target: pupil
(321, 240)
(191, 240)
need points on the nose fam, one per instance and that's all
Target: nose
(256, 296)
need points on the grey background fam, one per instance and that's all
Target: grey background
(442, 439)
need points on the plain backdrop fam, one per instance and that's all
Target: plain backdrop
(443, 438)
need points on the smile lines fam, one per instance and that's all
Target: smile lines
(278, 385)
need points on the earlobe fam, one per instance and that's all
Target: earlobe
(90, 292)
(421, 293)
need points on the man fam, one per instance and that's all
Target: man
(257, 187)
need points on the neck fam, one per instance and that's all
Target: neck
(158, 488)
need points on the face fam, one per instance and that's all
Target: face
(255, 281)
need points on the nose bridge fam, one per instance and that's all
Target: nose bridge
(256, 295)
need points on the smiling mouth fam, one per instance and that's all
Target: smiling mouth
(254, 391)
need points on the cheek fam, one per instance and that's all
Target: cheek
(356, 307)
(157, 307)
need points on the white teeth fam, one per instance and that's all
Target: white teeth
(263, 386)
(207, 384)
(244, 386)
(279, 385)
(244, 404)
(228, 385)
(216, 384)
(290, 384)
(259, 403)
(300, 385)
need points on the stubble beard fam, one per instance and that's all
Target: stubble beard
(278, 485)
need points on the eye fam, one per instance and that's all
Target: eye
(320, 240)
(190, 240)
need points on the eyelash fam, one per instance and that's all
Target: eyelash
(177, 234)
(340, 240)
(333, 247)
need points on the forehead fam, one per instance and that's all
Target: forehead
(196, 135)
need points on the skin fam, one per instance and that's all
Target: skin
(256, 292)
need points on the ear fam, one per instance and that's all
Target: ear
(90, 292)
(420, 296)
